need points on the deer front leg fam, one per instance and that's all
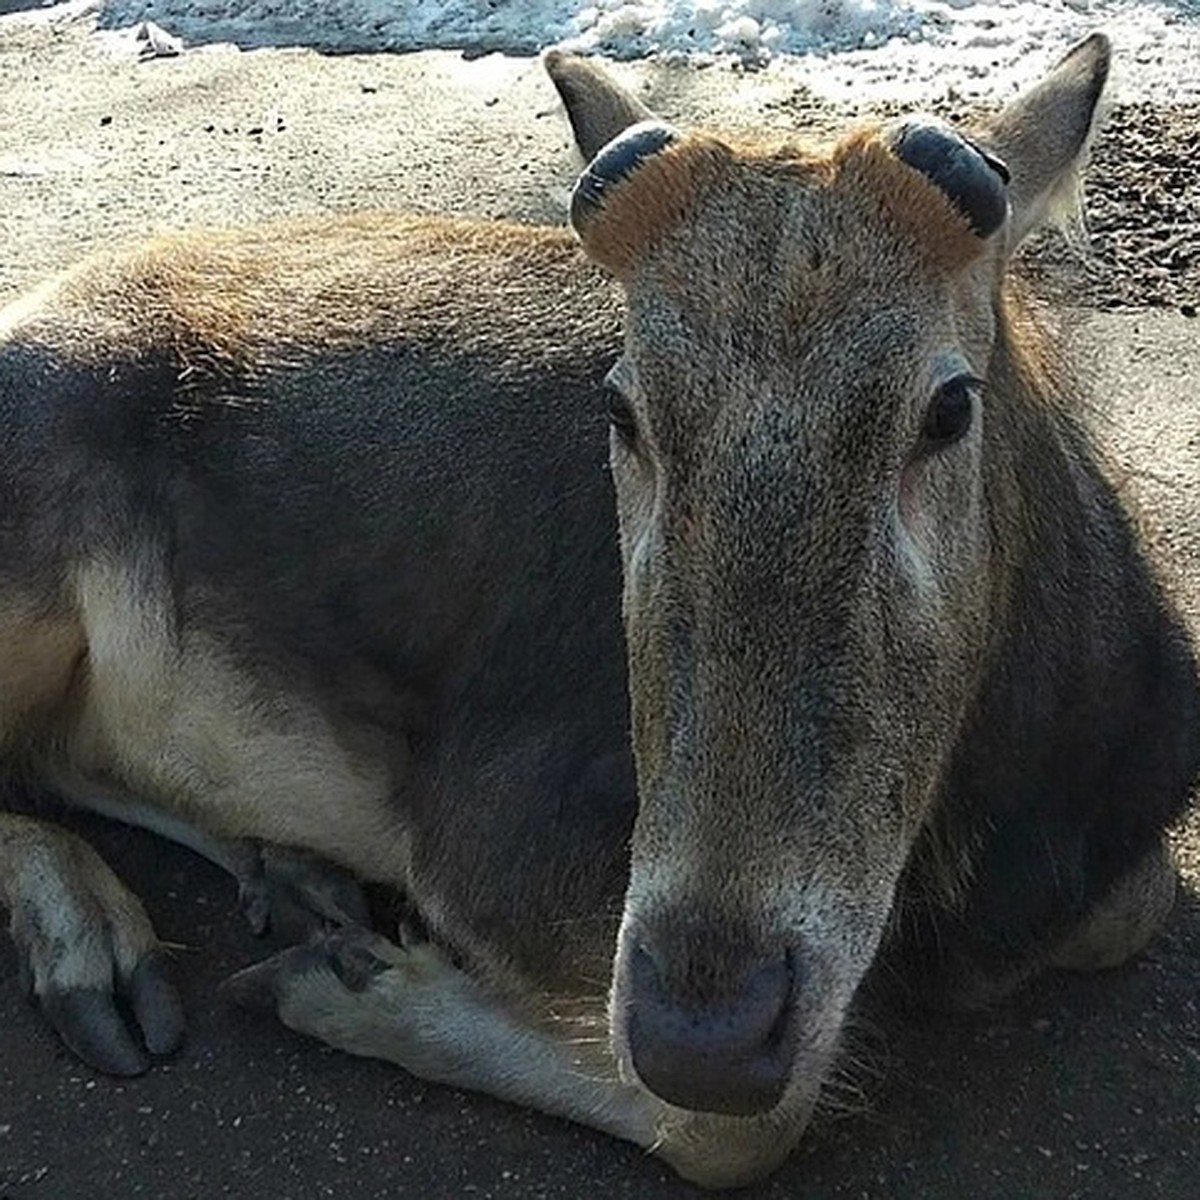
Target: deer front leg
(85, 944)
(410, 1005)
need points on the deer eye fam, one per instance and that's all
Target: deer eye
(621, 418)
(950, 412)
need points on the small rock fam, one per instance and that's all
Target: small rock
(158, 42)
(1188, 310)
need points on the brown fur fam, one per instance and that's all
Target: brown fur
(270, 297)
(671, 187)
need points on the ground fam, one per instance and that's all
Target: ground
(1081, 1087)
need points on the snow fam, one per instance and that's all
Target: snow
(849, 49)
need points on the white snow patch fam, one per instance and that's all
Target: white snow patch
(850, 49)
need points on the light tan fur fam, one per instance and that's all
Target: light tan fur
(164, 712)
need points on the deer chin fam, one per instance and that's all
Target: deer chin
(750, 1055)
(716, 1150)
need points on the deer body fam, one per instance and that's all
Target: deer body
(307, 553)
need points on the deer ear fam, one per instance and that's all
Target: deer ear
(598, 108)
(1043, 136)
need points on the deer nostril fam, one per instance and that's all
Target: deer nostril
(731, 1052)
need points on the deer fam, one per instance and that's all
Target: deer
(309, 561)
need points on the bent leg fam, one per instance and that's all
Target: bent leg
(293, 894)
(410, 1005)
(85, 943)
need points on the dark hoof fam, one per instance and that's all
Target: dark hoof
(91, 1023)
(352, 957)
(88, 1022)
(156, 1005)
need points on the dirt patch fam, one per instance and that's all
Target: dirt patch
(1143, 217)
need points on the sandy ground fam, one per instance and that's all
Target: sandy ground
(1079, 1088)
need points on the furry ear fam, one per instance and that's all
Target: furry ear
(1043, 136)
(598, 108)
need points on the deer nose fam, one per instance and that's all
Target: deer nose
(730, 1053)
